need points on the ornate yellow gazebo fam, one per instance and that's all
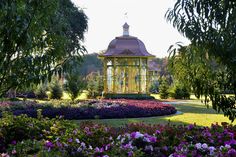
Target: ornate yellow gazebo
(125, 65)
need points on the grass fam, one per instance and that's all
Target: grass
(82, 96)
(191, 111)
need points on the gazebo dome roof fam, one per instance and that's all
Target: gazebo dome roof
(126, 45)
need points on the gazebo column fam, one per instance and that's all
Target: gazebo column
(139, 81)
(114, 76)
(105, 74)
(147, 77)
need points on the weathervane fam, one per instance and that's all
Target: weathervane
(126, 16)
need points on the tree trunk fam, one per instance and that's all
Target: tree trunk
(11, 93)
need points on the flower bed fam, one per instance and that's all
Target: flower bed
(121, 108)
(23, 136)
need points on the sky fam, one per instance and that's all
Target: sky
(145, 17)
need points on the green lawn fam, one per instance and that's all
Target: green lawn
(193, 111)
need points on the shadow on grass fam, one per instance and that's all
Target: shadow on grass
(195, 108)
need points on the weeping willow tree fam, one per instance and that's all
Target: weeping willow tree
(37, 38)
(211, 28)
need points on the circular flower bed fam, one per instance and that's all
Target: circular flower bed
(121, 108)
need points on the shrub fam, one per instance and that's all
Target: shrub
(14, 129)
(95, 85)
(56, 91)
(164, 89)
(59, 138)
(40, 92)
(74, 85)
(129, 96)
(179, 92)
(154, 88)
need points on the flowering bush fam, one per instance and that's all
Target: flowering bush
(24, 136)
(120, 108)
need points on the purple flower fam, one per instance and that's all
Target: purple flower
(136, 135)
(130, 153)
(232, 153)
(59, 144)
(190, 127)
(127, 146)
(153, 139)
(13, 142)
(232, 141)
(70, 140)
(49, 144)
(157, 132)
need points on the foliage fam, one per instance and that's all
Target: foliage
(56, 90)
(179, 92)
(95, 85)
(26, 91)
(44, 137)
(41, 91)
(154, 88)
(90, 64)
(129, 96)
(40, 37)
(164, 89)
(17, 128)
(74, 85)
(210, 26)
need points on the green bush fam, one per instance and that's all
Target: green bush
(74, 85)
(14, 129)
(95, 85)
(164, 89)
(154, 88)
(56, 90)
(179, 92)
(41, 91)
(129, 96)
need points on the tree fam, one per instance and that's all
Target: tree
(37, 38)
(164, 88)
(56, 90)
(95, 85)
(74, 85)
(210, 26)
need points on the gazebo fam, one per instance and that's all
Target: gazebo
(125, 65)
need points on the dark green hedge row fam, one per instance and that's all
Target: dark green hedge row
(129, 96)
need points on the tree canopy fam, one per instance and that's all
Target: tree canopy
(37, 38)
(211, 28)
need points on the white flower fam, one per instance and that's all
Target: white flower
(118, 138)
(146, 139)
(198, 145)
(138, 135)
(105, 156)
(83, 145)
(77, 140)
(79, 149)
(90, 147)
(149, 147)
(221, 147)
(211, 149)
(122, 140)
(227, 146)
(204, 146)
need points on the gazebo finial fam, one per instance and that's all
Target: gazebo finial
(125, 29)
